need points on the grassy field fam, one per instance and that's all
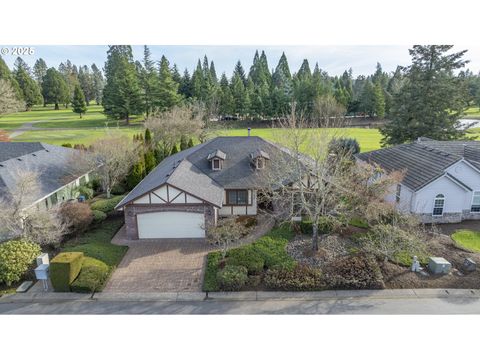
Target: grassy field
(47, 118)
(467, 239)
(369, 139)
(473, 112)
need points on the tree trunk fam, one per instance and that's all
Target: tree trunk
(108, 192)
(315, 237)
(127, 119)
(80, 115)
(57, 107)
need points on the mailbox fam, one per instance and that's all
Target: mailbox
(43, 259)
(41, 272)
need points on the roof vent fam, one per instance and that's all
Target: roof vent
(47, 150)
(34, 154)
(19, 159)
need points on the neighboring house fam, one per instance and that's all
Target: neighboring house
(442, 178)
(57, 175)
(188, 191)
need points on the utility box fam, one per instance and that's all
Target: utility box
(438, 265)
(41, 272)
(43, 259)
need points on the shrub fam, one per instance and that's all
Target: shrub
(106, 205)
(247, 221)
(92, 276)
(390, 242)
(359, 223)
(294, 278)
(344, 146)
(98, 216)
(272, 251)
(246, 256)
(95, 185)
(67, 145)
(325, 226)
(210, 282)
(232, 277)
(354, 272)
(16, 257)
(118, 189)
(77, 216)
(85, 191)
(64, 268)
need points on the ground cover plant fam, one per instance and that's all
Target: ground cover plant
(467, 239)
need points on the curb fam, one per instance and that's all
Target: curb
(247, 295)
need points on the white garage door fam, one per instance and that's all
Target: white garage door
(170, 224)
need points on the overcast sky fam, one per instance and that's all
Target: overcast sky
(333, 59)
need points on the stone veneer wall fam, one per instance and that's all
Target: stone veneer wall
(130, 212)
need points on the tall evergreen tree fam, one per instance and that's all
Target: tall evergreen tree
(149, 81)
(121, 94)
(54, 88)
(282, 87)
(239, 95)
(98, 84)
(79, 104)
(39, 70)
(31, 92)
(185, 87)
(379, 100)
(431, 100)
(226, 106)
(238, 71)
(168, 95)
(7, 75)
(86, 82)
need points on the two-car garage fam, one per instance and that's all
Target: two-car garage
(170, 224)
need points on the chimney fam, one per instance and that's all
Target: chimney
(249, 129)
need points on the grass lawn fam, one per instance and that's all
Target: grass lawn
(473, 111)
(369, 139)
(62, 118)
(468, 239)
(96, 243)
(74, 136)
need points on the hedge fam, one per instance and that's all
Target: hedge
(246, 256)
(64, 268)
(210, 282)
(106, 205)
(92, 276)
(232, 277)
(16, 257)
(98, 216)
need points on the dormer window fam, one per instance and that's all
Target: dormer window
(259, 158)
(216, 159)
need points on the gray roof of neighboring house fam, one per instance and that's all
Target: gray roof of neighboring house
(53, 164)
(217, 153)
(424, 160)
(190, 170)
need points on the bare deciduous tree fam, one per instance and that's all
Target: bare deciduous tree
(8, 99)
(168, 127)
(326, 108)
(227, 231)
(304, 184)
(113, 156)
(20, 219)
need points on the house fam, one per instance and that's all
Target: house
(442, 178)
(190, 190)
(57, 175)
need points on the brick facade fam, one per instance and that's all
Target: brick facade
(131, 211)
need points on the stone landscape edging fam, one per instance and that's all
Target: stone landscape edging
(247, 295)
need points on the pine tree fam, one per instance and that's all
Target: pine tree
(39, 70)
(7, 75)
(379, 100)
(121, 94)
(190, 143)
(174, 150)
(282, 87)
(239, 95)
(185, 87)
(148, 137)
(197, 82)
(136, 174)
(431, 100)
(168, 95)
(86, 82)
(150, 82)
(183, 143)
(226, 106)
(98, 84)
(150, 161)
(238, 71)
(31, 92)
(54, 88)
(79, 105)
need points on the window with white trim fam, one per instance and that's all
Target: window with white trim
(475, 202)
(216, 164)
(438, 205)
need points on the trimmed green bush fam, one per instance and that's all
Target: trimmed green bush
(92, 277)
(85, 191)
(354, 272)
(64, 268)
(210, 282)
(106, 205)
(248, 257)
(118, 189)
(232, 277)
(98, 216)
(325, 226)
(16, 257)
(272, 251)
(296, 278)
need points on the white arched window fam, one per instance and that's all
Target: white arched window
(438, 205)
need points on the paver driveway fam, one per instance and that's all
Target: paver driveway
(168, 265)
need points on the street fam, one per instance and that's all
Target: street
(433, 305)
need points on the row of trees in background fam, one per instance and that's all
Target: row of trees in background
(147, 86)
(44, 85)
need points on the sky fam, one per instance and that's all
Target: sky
(333, 59)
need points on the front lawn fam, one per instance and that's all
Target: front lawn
(96, 243)
(468, 239)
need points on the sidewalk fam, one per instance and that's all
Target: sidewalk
(246, 295)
